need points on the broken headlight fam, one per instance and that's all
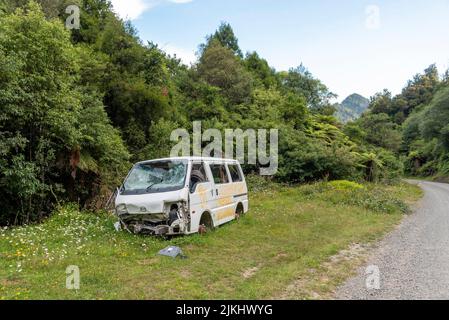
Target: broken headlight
(121, 209)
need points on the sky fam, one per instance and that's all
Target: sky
(352, 46)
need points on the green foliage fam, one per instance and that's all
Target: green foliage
(418, 92)
(409, 128)
(426, 137)
(434, 119)
(316, 156)
(219, 67)
(263, 74)
(260, 184)
(159, 135)
(133, 106)
(225, 37)
(301, 82)
(345, 185)
(378, 130)
(379, 200)
(49, 122)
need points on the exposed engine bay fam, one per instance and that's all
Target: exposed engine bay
(174, 220)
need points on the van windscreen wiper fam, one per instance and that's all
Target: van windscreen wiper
(153, 184)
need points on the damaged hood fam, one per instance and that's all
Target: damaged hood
(150, 203)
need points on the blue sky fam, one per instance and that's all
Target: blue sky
(351, 45)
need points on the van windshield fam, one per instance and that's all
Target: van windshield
(156, 176)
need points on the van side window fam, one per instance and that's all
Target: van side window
(198, 175)
(219, 173)
(235, 173)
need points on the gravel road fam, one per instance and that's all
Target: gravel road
(413, 260)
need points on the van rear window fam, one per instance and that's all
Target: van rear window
(236, 175)
(219, 173)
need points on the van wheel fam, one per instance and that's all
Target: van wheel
(202, 229)
(239, 211)
(206, 224)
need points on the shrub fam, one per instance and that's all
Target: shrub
(345, 185)
(371, 196)
(258, 183)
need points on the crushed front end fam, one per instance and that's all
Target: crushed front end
(154, 198)
(173, 219)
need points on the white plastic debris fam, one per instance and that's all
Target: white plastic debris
(172, 251)
(117, 226)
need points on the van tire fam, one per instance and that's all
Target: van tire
(206, 223)
(239, 211)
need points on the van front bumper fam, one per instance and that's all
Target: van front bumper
(151, 224)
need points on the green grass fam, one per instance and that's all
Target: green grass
(280, 249)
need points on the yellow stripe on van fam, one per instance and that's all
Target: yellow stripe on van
(226, 213)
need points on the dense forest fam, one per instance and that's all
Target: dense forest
(79, 106)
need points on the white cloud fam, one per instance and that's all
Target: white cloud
(133, 9)
(187, 56)
(180, 1)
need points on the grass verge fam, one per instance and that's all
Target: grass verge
(287, 246)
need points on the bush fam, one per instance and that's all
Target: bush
(392, 167)
(371, 196)
(258, 183)
(327, 156)
(344, 185)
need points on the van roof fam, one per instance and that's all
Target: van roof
(193, 159)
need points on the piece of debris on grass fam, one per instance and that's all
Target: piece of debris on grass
(173, 252)
(117, 226)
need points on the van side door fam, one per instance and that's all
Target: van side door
(224, 207)
(201, 193)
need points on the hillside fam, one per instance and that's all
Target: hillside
(352, 108)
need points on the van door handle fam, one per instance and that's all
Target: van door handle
(216, 192)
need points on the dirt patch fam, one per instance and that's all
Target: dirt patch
(337, 267)
(354, 251)
(248, 273)
(185, 274)
(280, 256)
(10, 282)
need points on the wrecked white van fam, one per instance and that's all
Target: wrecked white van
(185, 195)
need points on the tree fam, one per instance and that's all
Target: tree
(260, 70)
(226, 37)
(219, 67)
(418, 92)
(434, 122)
(381, 102)
(301, 82)
(380, 131)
